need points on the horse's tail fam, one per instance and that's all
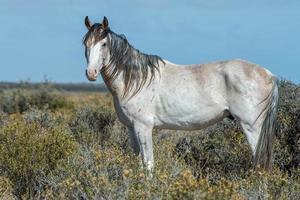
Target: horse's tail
(263, 151)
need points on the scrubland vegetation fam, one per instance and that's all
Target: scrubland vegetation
(63, 145)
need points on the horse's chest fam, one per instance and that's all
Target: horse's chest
(128, 113)
(123, 113)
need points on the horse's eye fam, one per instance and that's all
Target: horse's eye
(104, 44)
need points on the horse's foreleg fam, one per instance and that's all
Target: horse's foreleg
(144, 136)
(134, 141)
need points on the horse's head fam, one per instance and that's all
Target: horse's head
(96, 47)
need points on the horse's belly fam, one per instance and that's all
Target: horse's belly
(189, 119)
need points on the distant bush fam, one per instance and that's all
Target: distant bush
(21, 100)
(29, 152)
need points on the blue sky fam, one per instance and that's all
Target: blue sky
(43, 38)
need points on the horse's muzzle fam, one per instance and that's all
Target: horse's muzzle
(91, 74)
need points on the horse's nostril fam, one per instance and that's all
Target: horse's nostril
(95, 71)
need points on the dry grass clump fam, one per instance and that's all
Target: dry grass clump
(6, 190)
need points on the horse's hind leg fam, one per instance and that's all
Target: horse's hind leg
(252, 119)
(252, 133)
(260, 134)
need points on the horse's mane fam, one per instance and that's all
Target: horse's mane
(137, 67)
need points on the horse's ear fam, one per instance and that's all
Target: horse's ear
(88, 23)
(105, 23)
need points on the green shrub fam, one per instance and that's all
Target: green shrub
(29, 152)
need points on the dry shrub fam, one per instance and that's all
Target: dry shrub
(29, 152)
(219, 151)
(287, 145)
(260, 184)
(92, 124)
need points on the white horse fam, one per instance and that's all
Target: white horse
(150, 92)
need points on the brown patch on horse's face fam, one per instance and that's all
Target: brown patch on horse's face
(95, 34)
(90, 41)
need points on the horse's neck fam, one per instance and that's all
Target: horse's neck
(115, 86)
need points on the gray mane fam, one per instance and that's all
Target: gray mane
(135, 65)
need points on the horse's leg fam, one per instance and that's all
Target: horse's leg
(144, 135)
(251, 123)
(260, 133)
(252, 133)
(134, 141)
(260, 141)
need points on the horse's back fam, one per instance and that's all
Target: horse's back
(218, 79)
